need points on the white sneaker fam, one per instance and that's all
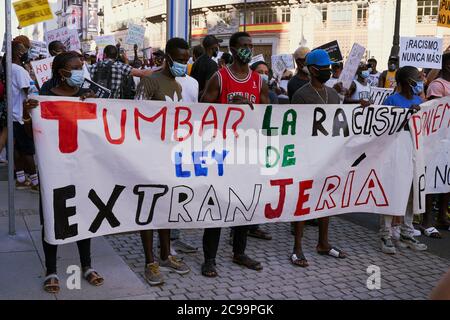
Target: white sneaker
(396, 233)
(410, 242)
(173, 252)
(387, 246)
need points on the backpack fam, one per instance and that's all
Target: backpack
(103, 74)
(128, 88)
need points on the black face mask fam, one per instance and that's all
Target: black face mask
(323, 75)
(215, 52)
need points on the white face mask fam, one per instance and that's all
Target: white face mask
(305, 70)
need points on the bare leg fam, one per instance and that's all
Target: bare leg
(323, 245)
(427, 218)
(147, 243)
(164, 241)
(443, 209)
(298, 235)
(3, 137)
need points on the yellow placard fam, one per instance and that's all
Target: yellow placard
(29, 12)
(444, 14)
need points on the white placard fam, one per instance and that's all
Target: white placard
(351, 65)
(378, 95)
(421, 52)
(136, 35)
(42, 70)
(282, 62)
(38, 48)
(272, 164)
(69, 37)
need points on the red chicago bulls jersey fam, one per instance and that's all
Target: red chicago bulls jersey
(231, 86)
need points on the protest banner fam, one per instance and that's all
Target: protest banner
(136, 35)
(282, 62)
(100, 92)
(421, 52)
(30, 12)
(38, 48)
(42, 70)
(205, 165)
(333, 50)
(378, 95)
(351, 65)
(430, 130)
(444, 14)
(69, 37)
(256, 58)
(102, 41)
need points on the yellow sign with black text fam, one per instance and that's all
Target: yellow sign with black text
(30, 12)
(444, 14)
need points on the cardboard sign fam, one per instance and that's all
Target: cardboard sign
(30, 12)
(444, 14)
(136, 35)
(430, 132)
(38, 48)
(258, 166)
(421, 52)
(69, 37)
(378, 95)
(333, 50)
(100, 92)
(42, 70)
(282, 62)
(351, 65)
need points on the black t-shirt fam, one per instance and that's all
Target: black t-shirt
(294, 84)
(46, 89)
(203, 69)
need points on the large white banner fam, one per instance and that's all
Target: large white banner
(110, 166)
(430, 130)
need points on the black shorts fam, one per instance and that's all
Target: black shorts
(22, 141)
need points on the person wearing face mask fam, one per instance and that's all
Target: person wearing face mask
(374, 77)
(359, 91)
(23, 144)
(67, 75)
(302, 76)
(204, 67)
(387, 78)
(263, 69)
(409, 87)
(162, 86)
(315, 92)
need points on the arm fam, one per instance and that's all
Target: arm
(212, 90)
(265, 94)
(140, 73)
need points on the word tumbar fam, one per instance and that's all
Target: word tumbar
(69, 113)
(335, 191)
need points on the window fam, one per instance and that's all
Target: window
(266, 15)
(341, 13)
(323, 8)
(427, 11)
(196, 21)
(363, 13)
(285, 14)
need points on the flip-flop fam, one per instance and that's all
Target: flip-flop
(299, 261)
(51, 284)
(259, 234)
(209, 269)
(246, 261)
(92, 276)
(333, 252)
(432, 232)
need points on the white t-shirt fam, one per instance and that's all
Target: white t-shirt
(20, 80)
(86, 73)
(189, 88)
(362, 91)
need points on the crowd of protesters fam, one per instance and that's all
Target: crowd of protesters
(200, 74)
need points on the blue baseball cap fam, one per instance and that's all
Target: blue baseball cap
(318, 57)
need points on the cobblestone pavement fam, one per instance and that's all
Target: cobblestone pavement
(407, 275)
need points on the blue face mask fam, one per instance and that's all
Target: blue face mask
(76, 79)
(265, 78)
(365, 74)
(178, 69)
(418, 88)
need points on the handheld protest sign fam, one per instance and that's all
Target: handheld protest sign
(30, 12)
(421, 52)
(333, 50)
(444, 14)
(351, 65)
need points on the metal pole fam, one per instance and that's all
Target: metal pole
(190, 23)
(396, 41)
(11, 210)
(245, 15)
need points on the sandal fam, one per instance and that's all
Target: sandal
(299, 261)
(246, 261)
(432, 232)
(51, 283)
(93, 277)
(209, 268)
(333, 252)
(259, 234)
